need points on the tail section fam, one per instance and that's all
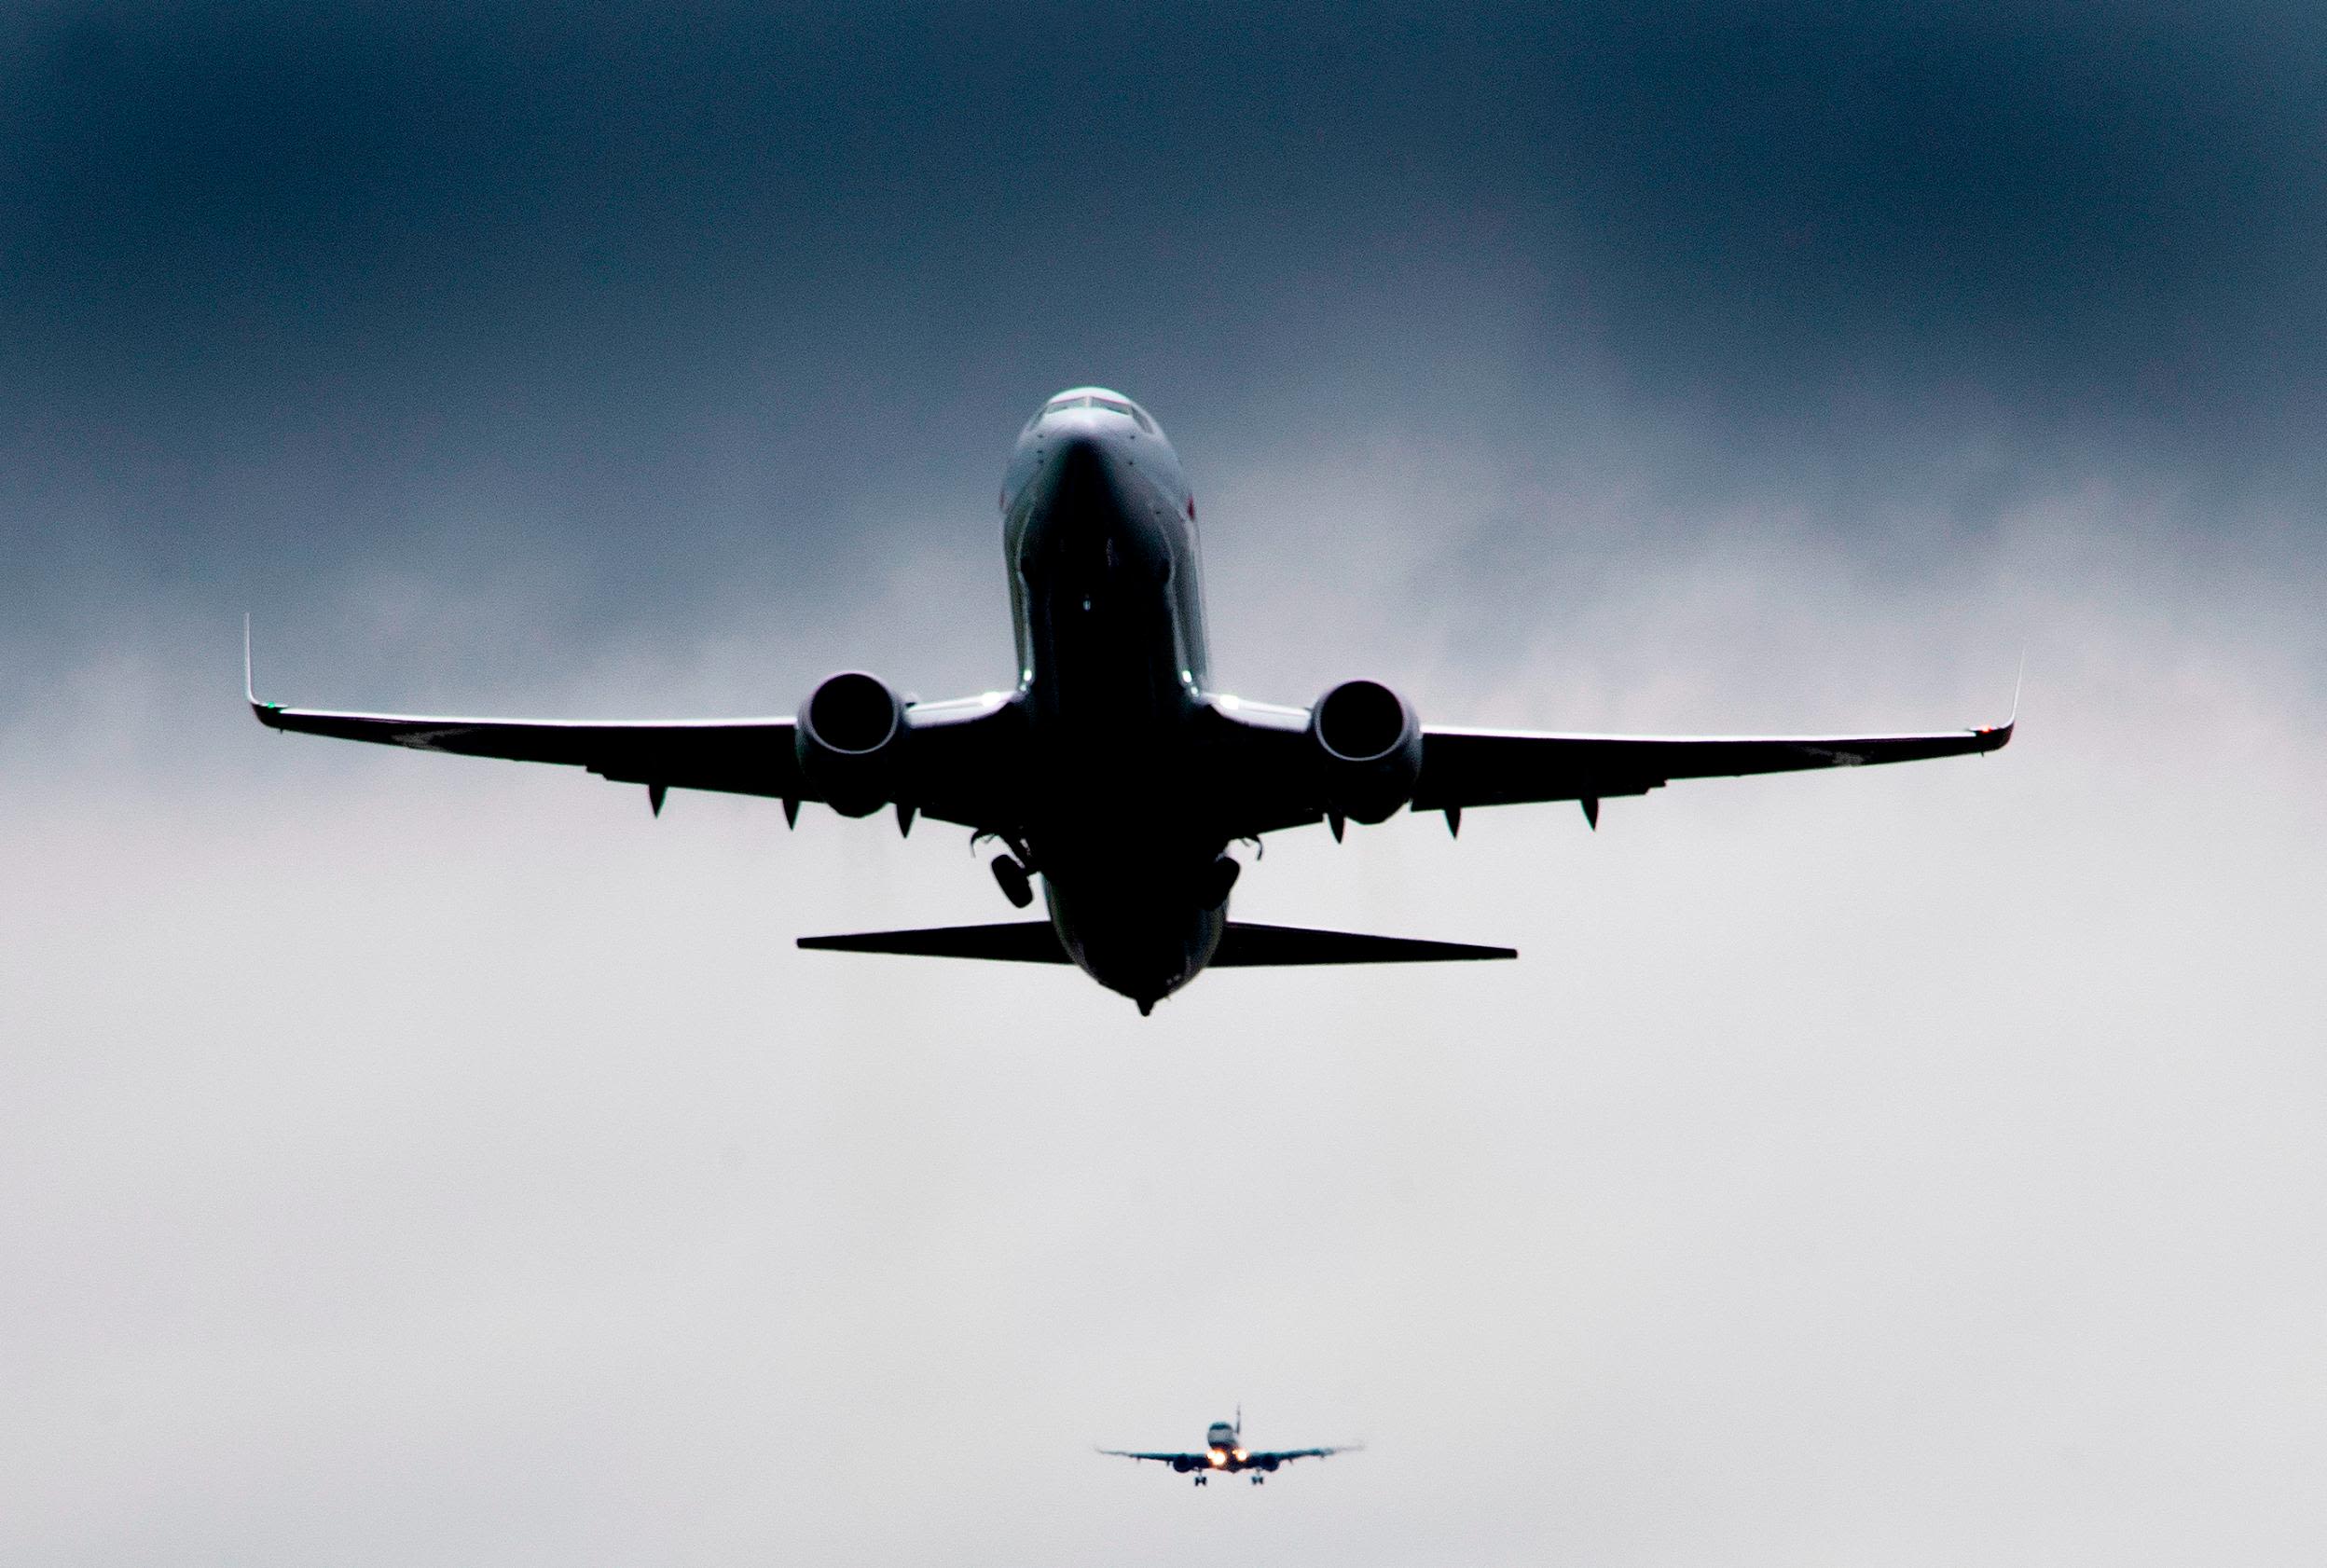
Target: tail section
(1017, 941)
(1244, 946)
(1249, 947)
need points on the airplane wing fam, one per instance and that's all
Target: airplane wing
(1466, 768)
(959, 764)
(1191, 1459)
(1270, 774)
(1284, 1456)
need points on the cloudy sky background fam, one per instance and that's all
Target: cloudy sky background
(407, 1161)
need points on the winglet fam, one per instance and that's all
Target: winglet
(265, 711)
(1995, 737)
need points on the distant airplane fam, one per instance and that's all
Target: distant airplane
(1112, 770)
(1224, 1453)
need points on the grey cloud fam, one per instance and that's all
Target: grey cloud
(409, 1160)
(299, 293)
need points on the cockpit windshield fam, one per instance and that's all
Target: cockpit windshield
(1106, 405)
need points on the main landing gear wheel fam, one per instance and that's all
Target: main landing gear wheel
(1202, 1479)
(1258, 1480)
(1016, 886)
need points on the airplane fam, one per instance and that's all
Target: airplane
(1224, 1453)
(1112, 772)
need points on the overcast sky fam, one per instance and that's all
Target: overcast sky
(418, 1160)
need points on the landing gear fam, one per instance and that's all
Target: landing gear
(1258, 1480)
(1218, 878)
(1017, 887)
(1203, 1481)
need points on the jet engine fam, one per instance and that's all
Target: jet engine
(850, 732)
(1371, 745)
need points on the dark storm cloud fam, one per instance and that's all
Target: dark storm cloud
(296, 290)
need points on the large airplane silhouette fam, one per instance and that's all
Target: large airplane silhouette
(1112, 771)
(1224, 1453)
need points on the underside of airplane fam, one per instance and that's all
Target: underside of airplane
(1112, 774)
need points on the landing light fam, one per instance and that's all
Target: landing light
(1242, 1455)
(1218, 1458)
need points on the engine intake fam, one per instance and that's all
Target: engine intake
(850, 733)
(1371, 745)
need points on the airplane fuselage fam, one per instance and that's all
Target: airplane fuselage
(1100, 536)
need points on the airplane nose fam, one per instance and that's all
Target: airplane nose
(1083, 506)
(1079, 474)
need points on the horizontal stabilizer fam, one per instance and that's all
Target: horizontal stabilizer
(1019, 942)
(1243, 946)
(1247, 946)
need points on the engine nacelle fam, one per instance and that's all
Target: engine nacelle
(1370, 744)
(850, 732)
